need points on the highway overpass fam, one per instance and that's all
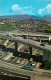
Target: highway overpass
(35, 34)
(30, 43)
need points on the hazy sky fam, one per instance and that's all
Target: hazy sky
(32, 7)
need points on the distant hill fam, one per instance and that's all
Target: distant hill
(24, 16)
(21, 17)
(47, 17)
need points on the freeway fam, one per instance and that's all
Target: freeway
(13, 68)
(26, 33)
(34, 34)
(9, 67)
(28, 42)
(47, 36)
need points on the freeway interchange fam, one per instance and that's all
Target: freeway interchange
(14, 68)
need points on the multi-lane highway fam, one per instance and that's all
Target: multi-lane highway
(14, 68)
(9, 67)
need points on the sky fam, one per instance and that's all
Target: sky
(31, 7)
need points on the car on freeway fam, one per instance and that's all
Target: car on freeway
(31, 59)
(27, 67)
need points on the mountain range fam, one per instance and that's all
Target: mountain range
(25, 16)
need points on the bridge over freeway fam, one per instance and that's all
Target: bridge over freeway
(31, 43)
(34, 34)
(14, 69)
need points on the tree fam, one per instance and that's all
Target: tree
(47, 65)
